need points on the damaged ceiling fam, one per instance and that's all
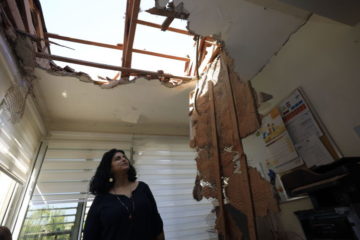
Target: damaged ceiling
(252, 31)
(143, 106)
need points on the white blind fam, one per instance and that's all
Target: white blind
(167, 165)
(19, 143)
(69, 165)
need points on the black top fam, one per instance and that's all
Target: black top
(117, 217)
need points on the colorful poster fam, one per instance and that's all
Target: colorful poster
(282, 154)
(304, 130)
(298, 119)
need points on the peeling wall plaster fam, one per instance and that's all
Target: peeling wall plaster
(252, 33)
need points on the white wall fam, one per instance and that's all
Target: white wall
(323, 57)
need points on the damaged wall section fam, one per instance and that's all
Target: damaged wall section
(223, 110)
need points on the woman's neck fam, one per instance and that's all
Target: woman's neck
(121, 180)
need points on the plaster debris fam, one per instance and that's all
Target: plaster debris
(204, 183)
(236, 161)
(228, 149)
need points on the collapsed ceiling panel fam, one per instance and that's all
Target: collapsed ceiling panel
(251, 33)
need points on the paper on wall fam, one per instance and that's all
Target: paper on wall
(313, 152)
(282, 153)
(298, 119)
(304, 130)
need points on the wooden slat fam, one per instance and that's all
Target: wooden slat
(132, 11)
(216, 157)
(171, 29)
(166, 23)
(161, 55)
(131, 71)
(167, 13)
(15, 15)
(117, 47)
(40, 32)
(77, 40)
(246, 185)
(30, 25)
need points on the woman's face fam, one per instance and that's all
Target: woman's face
(119, 163)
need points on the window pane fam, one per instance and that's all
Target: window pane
(7, 187)
(49, 221)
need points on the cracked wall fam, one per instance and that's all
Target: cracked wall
(223, 111)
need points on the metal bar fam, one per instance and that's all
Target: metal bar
(171, 29)
(117, 47)
(53, 216)
(65, 208)
(131, 71)
(76, 229)
(11, 175)
(82, 219)
(29, 189)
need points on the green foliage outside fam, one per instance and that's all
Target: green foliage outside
(43, 221)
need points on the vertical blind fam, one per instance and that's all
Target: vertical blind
(165, 163)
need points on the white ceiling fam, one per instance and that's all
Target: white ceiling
(144, 106)
(252, 34)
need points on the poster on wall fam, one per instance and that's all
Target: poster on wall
(304, 130)
(282, 155)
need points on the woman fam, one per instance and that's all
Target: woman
(5, 233)
(123, 209)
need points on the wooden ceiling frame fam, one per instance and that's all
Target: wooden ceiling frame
(170, 29)
(117, 47)
(132, 11)
(129, 71)
(38, 30)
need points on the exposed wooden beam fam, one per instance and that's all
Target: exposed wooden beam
(216, 159)
(173, 9)
(171, 29)
(29, 21)
(132, 11)
(77, 40)
(117, 47)
(161, 55)
(129, 71)
(168, 13)
(166, 23)
(15, 15)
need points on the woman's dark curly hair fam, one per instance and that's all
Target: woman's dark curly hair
(5, 233)
(100, 183)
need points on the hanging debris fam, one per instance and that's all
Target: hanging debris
(223, 110)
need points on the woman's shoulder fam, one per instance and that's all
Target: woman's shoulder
(142, 185)
(98, 199)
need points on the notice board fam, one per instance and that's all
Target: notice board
(311, 142)
(282, 155)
